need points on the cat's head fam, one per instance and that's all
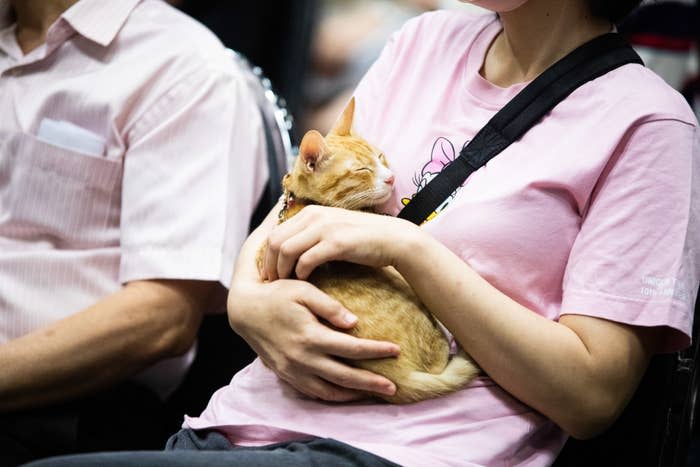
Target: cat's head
(341, 170)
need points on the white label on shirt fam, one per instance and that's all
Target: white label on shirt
(663, 287)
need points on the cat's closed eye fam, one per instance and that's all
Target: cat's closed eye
(364, 169)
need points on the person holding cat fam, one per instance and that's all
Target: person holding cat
(561, 266)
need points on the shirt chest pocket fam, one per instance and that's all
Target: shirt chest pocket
(63, 196)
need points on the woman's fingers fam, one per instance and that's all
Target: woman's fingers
(318, 235)
(324, 306)
(302, 350)
(344, 379)
(348, 377)
(347, 346)
(291, 238)
(315, 255)
(290, 250)
(326, 342)
(318, 388)
(278, 236)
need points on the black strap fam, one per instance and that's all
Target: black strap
(587, 62)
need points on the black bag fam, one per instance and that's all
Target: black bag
(587, 62)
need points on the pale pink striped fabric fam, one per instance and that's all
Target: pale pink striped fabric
(168, 196)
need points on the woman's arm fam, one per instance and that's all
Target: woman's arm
(280, 321)
(579, 372)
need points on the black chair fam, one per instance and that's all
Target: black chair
(277, 125)
(656, 427)
(273, 34)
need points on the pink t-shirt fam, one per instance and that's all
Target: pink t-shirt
(589, 213)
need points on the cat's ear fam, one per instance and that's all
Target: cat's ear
(312, 150)
(343, 126)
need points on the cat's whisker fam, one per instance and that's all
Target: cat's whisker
(350, 201)
(365, 199)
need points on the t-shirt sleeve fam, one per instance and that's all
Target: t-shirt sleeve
(194, 170)
(635, 260)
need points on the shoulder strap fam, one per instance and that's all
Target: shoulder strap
(587, 62)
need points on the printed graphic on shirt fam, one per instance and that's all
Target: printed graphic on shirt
(441, 155)
(653, 286)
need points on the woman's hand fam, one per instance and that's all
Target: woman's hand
(321, 234)
(280, 321)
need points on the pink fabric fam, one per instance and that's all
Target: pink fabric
(169, 193)
(593, 212)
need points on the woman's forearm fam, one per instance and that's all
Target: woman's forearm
(245, 262)
(579, 372)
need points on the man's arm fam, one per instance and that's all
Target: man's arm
(144, 322)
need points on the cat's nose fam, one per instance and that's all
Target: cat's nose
(389, 180)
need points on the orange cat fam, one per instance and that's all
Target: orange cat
(343, 170)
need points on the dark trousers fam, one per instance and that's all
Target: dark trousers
(198, 449)
(125, 417)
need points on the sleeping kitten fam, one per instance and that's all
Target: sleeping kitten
(343, 170)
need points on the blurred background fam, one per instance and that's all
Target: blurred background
(315, 51)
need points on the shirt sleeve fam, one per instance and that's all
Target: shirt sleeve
(194, 170)
(635, 260)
